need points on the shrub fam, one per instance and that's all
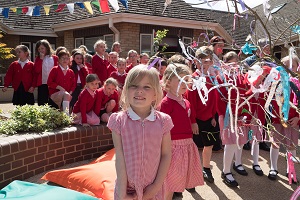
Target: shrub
(34, 118)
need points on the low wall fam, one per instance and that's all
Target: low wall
(23, 156)
(8, 95)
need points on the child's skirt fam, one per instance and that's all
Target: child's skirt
(92, 118)
(231, 138)
(22, 97)
(286, 136)
(185, 170)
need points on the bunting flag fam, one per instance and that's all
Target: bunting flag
(101, 5)
(24, 9)
(124, 3)
(70, 7)
(80, 4)
(5, 12)
(88, 7)
(30, 10)
(60, 7)
(97, 5)
(47, 9)
(104, 6)
(114, 4)
(37, 11)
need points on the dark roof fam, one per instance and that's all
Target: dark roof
(178, 9)
(281, 20)
(225, 19)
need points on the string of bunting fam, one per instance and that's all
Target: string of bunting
(101, 5)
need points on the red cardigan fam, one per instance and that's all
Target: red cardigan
(99, 67)
(57, 77)
(182, 118)
(15, 75)
(38, 63)
(83, 72)
(203, 112)
(110, 69)
(128, 68)
(84, 104)
(102, 99)
(119, 78)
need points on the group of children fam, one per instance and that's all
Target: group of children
(157, 120)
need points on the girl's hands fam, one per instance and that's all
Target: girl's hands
(195, 128)
(81, 66)
(31, 90)
(85, 125)
(294, 121)
(150, 192)
(213, 122)
(60, 88)
(4, 89)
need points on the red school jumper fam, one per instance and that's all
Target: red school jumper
(57, 77)
(16, 74)
(102, 99)
(99, 67)
(38, 64)
(111, 69)
(84, 104)
(119, 77)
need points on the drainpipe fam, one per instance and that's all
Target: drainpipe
(114, 29)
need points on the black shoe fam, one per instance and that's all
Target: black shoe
(273, 176)
(177, 194)
(239, 171)
(294, 182)
(191, 190)
(258, 172)
(264, 146)
(227, 181)
(247, 146)
(207, 175)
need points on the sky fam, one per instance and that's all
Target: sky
(222, 5)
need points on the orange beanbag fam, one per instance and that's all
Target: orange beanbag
(96, 179)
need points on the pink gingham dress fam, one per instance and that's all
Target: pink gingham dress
(141, 141)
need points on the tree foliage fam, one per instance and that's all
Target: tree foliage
(5, 52)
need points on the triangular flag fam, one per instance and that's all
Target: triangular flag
(55, 6)
(1, 9)
(14, 9)
(19, 11)
(97, 5)
(114, 4)
(5, 12)
(88, 6)
(104, 6)
(30, 10)
(60, 7)
(80, 4)
(24, 9)
(37, 11)
(124, 3)
(70, 7)
(47, 9)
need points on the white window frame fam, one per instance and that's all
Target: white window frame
(146, 34)
(79, 41)
(187, 38)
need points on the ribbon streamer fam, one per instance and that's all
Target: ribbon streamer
(284, 77)
(234, 18)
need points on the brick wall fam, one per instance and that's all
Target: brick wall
(69, 41)
(24, 156)
(60, 41)
(129, 37)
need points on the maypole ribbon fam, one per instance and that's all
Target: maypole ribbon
(234, 18)
(284, 77)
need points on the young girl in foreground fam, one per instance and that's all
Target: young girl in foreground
(141, 138)
(20, 74)
(185, 169)
(83, 108)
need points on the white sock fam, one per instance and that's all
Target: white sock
(228, 157)
(274, 153)
(65, 105)
(255, 152)
(238, 158)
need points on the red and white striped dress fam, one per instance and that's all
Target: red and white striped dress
(141, 141)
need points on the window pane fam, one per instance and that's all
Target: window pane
(109, 41)
(89, 43)
(146, 44)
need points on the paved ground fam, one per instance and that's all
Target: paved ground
(251, 187)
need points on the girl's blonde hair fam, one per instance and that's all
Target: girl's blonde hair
(134, 76)
(170, 72)
(111, 81)
(23, 48)
(121, 60)
(229, 56)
